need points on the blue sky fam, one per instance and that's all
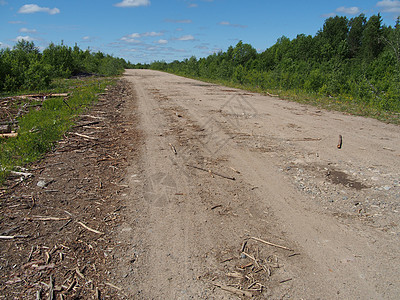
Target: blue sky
(148, 30)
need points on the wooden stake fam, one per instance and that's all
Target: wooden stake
(340, 142)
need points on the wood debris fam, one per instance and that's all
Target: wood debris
(270, 244)
(212, 172)
(234, 290)
(173, 149)
(47, 241)
(90, 229)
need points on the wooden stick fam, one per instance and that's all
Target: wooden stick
(211, 172)
(228, 259)
(90, 229)
(9, 135)
(66, 224)
(286, 280)
(234, 290)
(85, 136)
(234, 170)
(270, 244)
(340, 142)
(45, 218)
(113, 286)
(78, 272)
(51, 288)
(216, 206)
(243, 246)
(87, 124)
(251, 257)
(173, 149)
(31, 253)
(10, 237)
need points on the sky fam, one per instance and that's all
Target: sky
(142, 31)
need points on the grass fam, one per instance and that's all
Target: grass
(40, 129)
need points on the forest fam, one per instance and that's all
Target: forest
(355, 60)
(24, 67)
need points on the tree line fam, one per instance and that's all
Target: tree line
(24, 67)
(356, 59)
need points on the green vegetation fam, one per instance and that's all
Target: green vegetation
(350, 64)
(40, 129)
(25, 68)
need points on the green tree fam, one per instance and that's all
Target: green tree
(242, 53)
(372, 38)
(354, 38)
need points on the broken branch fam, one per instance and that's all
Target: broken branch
(213, 173)
(270, 244)
(234, 290)
(90, 229)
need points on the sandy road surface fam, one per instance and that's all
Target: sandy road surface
(338, 210)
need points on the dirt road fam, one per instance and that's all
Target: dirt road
(219, 166)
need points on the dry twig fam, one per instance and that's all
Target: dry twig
(213, 173)
(270, 244)
(234, 290)
(90, 229)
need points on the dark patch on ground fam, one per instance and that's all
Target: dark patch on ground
(338, 177)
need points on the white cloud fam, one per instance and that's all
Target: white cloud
(152, 33)
(133, 37)
(162, 42)
(132, 3)
(33, 8)
(389, 6)
(354, 10)
(348, 10)
(26, 38)
(128, 39)
(86, 38)
(226, 23)
(188, 37)
(26, 30)
(3, 2)
(16, 22)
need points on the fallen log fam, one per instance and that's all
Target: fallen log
(41, 95)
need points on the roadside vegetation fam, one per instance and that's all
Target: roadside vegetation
(39, 121)
(26, 68)
(349, 65)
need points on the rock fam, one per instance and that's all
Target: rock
(44, 182)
